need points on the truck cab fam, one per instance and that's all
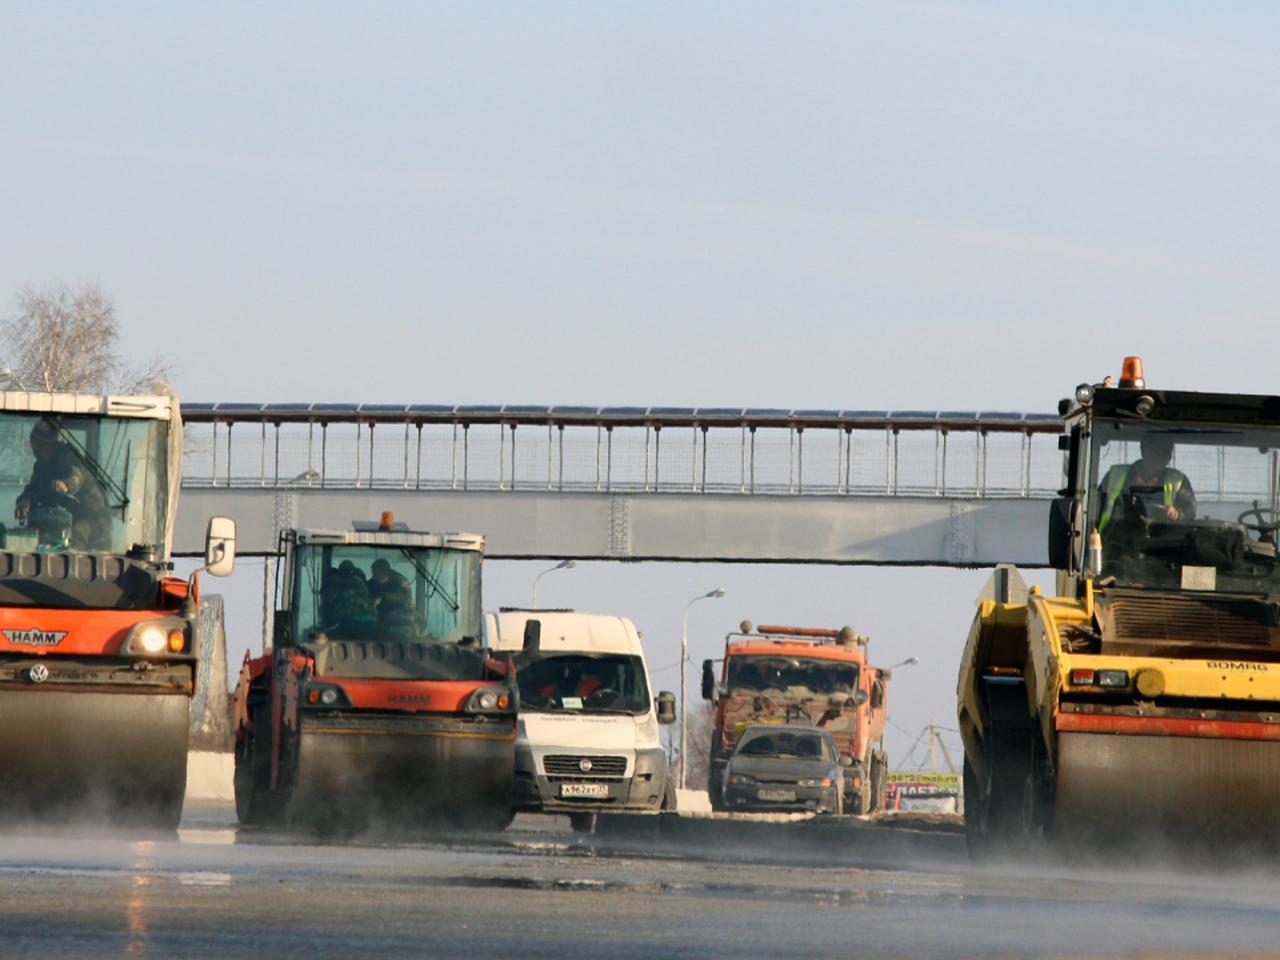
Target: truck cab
(588, 739)
(811, 676)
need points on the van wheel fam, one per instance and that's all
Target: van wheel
(669, 796)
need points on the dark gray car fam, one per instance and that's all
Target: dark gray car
(779, 767)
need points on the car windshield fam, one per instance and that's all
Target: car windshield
(792, 676)
(582, 683)
(1186, 506)
(784, 743)
(83, 482)
(386, 592)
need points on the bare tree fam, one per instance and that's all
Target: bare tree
(63, 339)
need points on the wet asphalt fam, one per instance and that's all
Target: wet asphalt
(540, 891)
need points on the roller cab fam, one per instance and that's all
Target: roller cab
(98, 644)
(1140, 707)
(378, 702)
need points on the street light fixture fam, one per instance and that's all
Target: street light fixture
(909, 662)
(562, 565)
(684, 659)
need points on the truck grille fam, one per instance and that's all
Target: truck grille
(562, 765)
(1189, 621)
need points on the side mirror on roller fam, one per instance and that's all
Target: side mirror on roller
(220, 547)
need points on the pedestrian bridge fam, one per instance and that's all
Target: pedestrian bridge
(635, 483)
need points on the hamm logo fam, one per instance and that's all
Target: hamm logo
(410, 699)
(35, 638)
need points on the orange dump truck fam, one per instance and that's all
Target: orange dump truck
(805, 675)
(98, 644)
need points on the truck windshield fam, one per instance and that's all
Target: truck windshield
(75, 482)
(582, 683)
(790, 676)
(1183, 506)
(386, 592)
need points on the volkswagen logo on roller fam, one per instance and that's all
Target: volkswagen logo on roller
(585, 764)
(38, 673)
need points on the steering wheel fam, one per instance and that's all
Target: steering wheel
(602, 697)
(1264, 520)
(53, 499)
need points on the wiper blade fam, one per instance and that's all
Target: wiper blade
(437, 587)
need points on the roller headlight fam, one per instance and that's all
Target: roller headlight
(152, 639)
(489, 700)
(329, 696)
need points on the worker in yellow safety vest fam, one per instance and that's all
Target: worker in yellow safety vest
(1151, 475)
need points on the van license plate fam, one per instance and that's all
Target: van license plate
(784, 795)
(593, 790)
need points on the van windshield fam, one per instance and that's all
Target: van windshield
(582, 683)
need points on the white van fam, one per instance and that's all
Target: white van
(588, 722)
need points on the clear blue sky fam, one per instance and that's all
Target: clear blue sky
(849, 204)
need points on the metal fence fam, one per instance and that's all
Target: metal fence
(623, 449)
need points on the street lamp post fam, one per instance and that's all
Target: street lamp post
(562, 565)
(684, 659)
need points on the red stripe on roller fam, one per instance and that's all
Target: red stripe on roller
(1167, 727)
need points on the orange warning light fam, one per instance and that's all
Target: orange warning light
(1131, 373)
(388, 518)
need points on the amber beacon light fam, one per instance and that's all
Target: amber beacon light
(1131, 373)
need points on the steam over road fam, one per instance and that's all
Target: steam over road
(538, 891)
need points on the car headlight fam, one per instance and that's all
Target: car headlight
(740, 778)
(816, 782)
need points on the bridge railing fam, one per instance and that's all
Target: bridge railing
(622, 449)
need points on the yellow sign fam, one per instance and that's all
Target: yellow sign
(951, 780)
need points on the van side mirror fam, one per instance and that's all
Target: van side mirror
(666, 701)
(1066, 522)
(220, 547)
(708, 680)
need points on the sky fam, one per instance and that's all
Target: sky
(851, 205)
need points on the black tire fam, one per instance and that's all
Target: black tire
(880, 782)
(975, 837)
(256, 804)
(715, 787)
(862, 800)
(582, 822)
(669, 796)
